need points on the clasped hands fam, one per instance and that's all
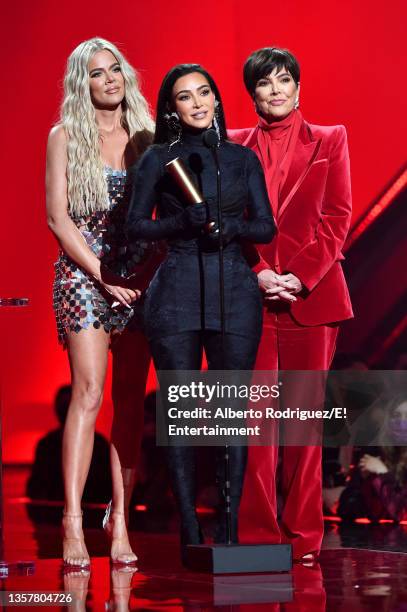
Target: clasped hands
(279, 287)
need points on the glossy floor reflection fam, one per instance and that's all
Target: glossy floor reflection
(350, 575)
(343, 580)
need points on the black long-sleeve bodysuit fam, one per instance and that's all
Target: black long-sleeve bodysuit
(181, 307)
(184, 294)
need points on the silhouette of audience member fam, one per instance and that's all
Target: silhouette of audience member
(377, 487)
(45, 481)
(340, 439)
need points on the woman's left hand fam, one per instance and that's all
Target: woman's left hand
(230, 229)
(283, 287)
(290, 281)
(269, 284)
(374, 465)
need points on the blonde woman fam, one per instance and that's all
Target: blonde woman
(105, 124)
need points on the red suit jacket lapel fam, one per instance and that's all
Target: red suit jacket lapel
(306, 152)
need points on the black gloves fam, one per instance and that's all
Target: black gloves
(230, 229)
(196, 215)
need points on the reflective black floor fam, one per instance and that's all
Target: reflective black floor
(344, 579)
(362, 567)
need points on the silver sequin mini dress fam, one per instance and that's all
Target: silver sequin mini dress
(79, 300)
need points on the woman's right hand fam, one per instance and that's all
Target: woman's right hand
(196, 215)
(113, 284)
(274, 288)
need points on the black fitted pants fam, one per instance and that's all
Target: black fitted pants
(183, 351)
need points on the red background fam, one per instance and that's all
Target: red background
(352, 55)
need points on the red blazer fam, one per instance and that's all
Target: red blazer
(313, 218)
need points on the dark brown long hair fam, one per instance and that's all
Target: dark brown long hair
(162, 130)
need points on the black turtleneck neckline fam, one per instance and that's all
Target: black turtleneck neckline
(193, 137)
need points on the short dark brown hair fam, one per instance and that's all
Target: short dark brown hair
(263, 61)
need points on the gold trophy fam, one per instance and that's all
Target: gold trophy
(180, 174)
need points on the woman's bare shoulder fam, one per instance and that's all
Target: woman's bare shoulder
(57, 137)
(56, 146)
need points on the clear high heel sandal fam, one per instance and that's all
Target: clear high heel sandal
(124, 558)
(85, 560)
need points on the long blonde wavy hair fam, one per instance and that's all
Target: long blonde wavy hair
(87, 189)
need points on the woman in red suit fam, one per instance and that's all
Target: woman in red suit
(307, 173)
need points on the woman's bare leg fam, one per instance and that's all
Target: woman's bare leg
(131, 361)
(88, 352)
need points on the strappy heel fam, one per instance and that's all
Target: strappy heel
(124, 558)
(80, 561)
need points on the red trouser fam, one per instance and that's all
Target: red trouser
(287, 346)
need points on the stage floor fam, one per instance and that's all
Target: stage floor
(362, 567)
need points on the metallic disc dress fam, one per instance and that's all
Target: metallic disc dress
(79, 300)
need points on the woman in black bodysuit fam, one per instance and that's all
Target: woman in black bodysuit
(181, 308)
